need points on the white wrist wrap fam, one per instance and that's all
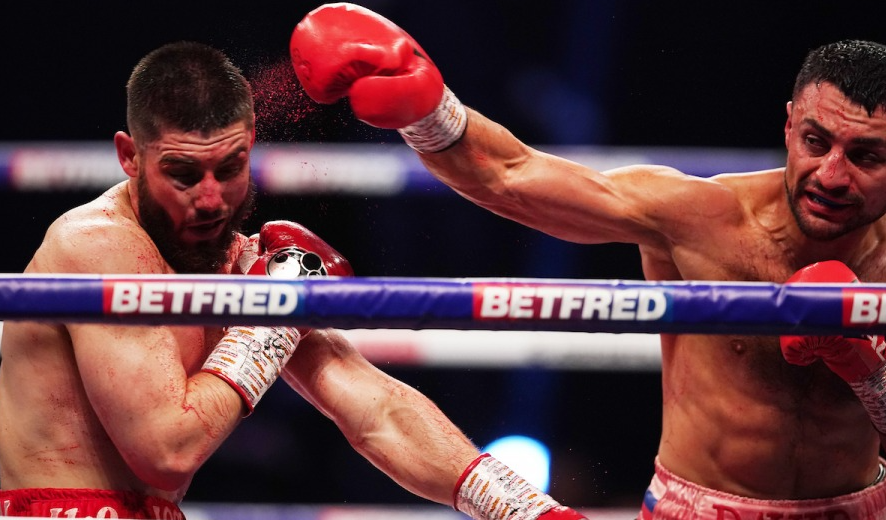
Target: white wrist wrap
(251, 358)
(494, 491)
(871, 391)
(439, 129)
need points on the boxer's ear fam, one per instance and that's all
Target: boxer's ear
(127, 153)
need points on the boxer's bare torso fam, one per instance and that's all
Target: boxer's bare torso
(50, 434)
(736, 416)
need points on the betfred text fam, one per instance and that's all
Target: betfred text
(569, 303)
(253, 299)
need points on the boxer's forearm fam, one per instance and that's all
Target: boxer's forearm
(479, 164)
(408, 438)
(394, 426)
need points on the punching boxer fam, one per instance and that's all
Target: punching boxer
(747, 432)
(113, 421)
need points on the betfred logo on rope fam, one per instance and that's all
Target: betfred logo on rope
(258, 298)
(566, 302)
(864, 307)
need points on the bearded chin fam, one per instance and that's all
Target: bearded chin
(203, 257)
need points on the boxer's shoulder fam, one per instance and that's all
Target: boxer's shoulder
(99, 236)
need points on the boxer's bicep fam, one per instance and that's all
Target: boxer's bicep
(641, 204)
(659, 206)
(163, 421)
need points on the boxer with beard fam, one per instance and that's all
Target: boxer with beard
(113, 421)
(205, 256)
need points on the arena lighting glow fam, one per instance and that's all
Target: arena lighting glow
(525, 455)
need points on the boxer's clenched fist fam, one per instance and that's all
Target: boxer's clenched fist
(250, 358)
(859, 360)
(344, 50)
(852, 358)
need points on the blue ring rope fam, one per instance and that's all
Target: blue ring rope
(422, 303)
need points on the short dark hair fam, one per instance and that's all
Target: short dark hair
(856, 67)
(186, 86)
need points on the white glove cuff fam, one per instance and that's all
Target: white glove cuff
(440, 129)
(871, 391)
(490, 490)
(250, 359)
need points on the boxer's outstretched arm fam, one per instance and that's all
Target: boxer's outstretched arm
(394, 426)
(342, 50)
(638, 204)
(407, 437)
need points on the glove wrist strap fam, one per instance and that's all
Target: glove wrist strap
(250, 359)
(490, 490)
(871, 391)
(440, 129)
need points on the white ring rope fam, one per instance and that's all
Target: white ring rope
(509, 349)
(333, 168)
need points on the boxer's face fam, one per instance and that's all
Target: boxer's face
(194, 191)
(836, 166)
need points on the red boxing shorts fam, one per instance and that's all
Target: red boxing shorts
(670, 497)
(86, 503)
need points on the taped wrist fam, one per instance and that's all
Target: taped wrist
(250, 359)
(871, 391)
(488, 489)
(440, 129)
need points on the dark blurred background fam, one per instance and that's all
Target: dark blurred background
(559, 72)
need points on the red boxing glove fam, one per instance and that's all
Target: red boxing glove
(346, 50)
(859, 361)
(488, 489)
(288, 250)
(852, 358)
(250, 358)
(343, 49)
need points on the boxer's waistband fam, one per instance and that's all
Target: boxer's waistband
(672, 497)
(86, 503)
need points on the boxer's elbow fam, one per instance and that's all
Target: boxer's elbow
(169, 472)
(169, 461)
